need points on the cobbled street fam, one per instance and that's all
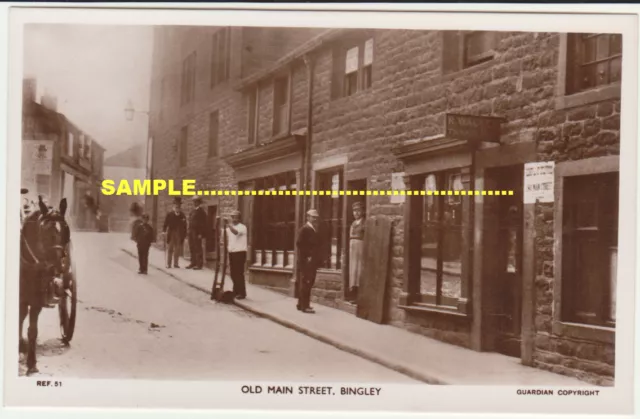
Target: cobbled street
(154, 327)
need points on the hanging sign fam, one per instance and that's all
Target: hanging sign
(474, 129)
(352, 60)
(538, 182)
(397, 185)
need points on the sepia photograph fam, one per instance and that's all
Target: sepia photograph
(321, 212)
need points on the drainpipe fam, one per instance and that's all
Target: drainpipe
(310, 64)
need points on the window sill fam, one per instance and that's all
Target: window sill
(612, 91)
(328, 271)
(588, 332)
(270, 269)
(461, 311)
(430, 308)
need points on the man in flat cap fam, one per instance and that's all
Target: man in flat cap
(237, 247)
(356, 246)
(308, 244)
(197, 232)
(175, 229)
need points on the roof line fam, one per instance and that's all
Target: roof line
(314, 43)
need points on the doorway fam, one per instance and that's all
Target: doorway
(502, 272)
(211, 239)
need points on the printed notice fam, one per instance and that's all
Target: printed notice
(397, 185)
(538, 182)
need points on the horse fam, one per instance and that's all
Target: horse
(44, 238)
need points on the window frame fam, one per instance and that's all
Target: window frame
(588, 166)
(253, 114)
(276, 130)
(218, 77)
(188, 79)
(482, 57)
(364, 72)
(564, 98)
(341, 215)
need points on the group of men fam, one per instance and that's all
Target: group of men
(177, 228)
(308, 242)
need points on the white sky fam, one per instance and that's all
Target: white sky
(94, 70)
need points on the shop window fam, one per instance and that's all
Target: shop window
(330, 208)
(214, 128)
(188, 87)
(441, 240)
(252, 115)
(589, 249)
(593, 60)
(220, 56)
(182, 146)
(274, 221)
(280, 105)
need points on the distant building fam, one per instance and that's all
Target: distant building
(58, 158)
(127, 165)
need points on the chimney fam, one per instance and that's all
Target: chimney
(50, 102)
(29, 90)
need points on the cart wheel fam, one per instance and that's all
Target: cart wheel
(67, 305)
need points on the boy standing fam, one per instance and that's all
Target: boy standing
(143, 235)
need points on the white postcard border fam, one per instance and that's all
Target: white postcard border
(166, 394)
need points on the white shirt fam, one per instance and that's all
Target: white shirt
(237, 242)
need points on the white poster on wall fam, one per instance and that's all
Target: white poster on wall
(538, 182)
(397, 185)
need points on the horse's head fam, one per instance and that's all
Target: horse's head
(52, 234)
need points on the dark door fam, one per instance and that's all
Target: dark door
(503, 260)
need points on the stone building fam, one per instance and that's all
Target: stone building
(58, 159)
(296, 109)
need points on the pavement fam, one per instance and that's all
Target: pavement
(421, 358)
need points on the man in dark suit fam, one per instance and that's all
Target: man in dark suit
(175, 229)
(308, 244)
(197, 232)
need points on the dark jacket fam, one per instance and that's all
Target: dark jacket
(198, 222)
(175, 224)
(308, 243)
(143, 233)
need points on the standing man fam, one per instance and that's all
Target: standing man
(237, 247)
(197, 230)
(175, 229)
(356, 246)
(143, 235)
(308, 244)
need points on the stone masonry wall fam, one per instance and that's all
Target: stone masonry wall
(408, 100)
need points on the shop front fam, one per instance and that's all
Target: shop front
(272, 219)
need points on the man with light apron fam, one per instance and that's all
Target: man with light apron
(356, 245)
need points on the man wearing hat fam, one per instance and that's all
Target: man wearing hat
(356, 245)
(237, 247)
(308, 244)
(175, 229)
(197, 231)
